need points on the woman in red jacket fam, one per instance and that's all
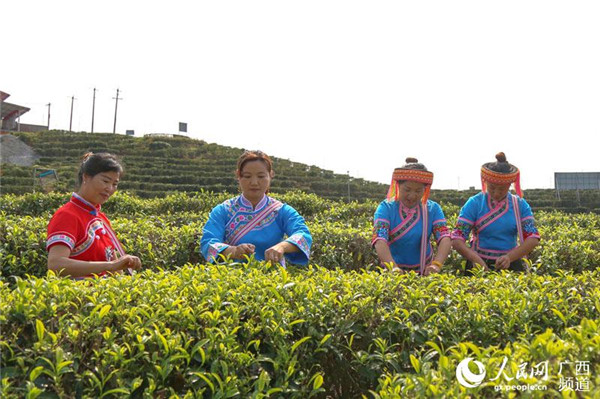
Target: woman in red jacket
(81, 241)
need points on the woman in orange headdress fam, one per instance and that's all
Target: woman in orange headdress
(496, 218)
(398, 234)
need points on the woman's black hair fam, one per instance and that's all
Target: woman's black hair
(413, 163)
(92, 164)
(501, 165)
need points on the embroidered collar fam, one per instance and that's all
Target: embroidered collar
(495, 204)
(247, 204)
(82, 203)
(408, 210)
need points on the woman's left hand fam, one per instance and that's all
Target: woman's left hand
(275, 253)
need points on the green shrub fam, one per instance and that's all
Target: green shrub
(254, 330)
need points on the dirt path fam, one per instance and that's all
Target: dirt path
(14, 151)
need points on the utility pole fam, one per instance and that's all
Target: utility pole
(48, 105)
(93, 109)
(116, 105)
(348, 172)
(71, 119)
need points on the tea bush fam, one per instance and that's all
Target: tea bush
(251, 330)
(340, 328)
(165, 232)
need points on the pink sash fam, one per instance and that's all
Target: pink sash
(515, 201)
(424, 238)
(235, 239)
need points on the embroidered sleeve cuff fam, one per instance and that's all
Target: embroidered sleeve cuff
(457, 235)
(527, 235)
(375, 239)
(442, 236)
(60, 239)
(303, 245)
(462, 230)
(440, 230)
(214, 250)
(381, 230)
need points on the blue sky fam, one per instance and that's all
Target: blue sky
(346, 85)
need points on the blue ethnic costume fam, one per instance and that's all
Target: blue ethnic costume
(402, 227)
(496, 226)
(236, 222)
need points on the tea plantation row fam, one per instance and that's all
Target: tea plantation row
(165, 232)
(253, 331)
(343, 329)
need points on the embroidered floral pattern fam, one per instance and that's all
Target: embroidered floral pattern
(440, 230)
(462, 230)
(60, 238)
(241, 215)
(268, 220)
(237, 223)
(93, 231)
(381, 230)
(214, 250)
(529, 229)
(299, 241)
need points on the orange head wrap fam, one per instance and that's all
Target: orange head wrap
(490, 176)
(405, 174)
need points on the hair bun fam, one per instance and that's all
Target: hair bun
(412, 160)
(500, 157)
(86, 156)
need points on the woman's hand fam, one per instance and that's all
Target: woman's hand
(127, 262)
(397, 269)
(503, 262)
(430, 269)
(239, 251)
(275, 253)
(479, 261)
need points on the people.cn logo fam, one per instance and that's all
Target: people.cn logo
(465, 377)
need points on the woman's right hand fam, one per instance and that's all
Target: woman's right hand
(479, 260)
(127, 262)
(243, 249)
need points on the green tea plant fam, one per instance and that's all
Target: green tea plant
(256, 330)
(165, 232)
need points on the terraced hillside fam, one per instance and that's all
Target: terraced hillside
(157, 166)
